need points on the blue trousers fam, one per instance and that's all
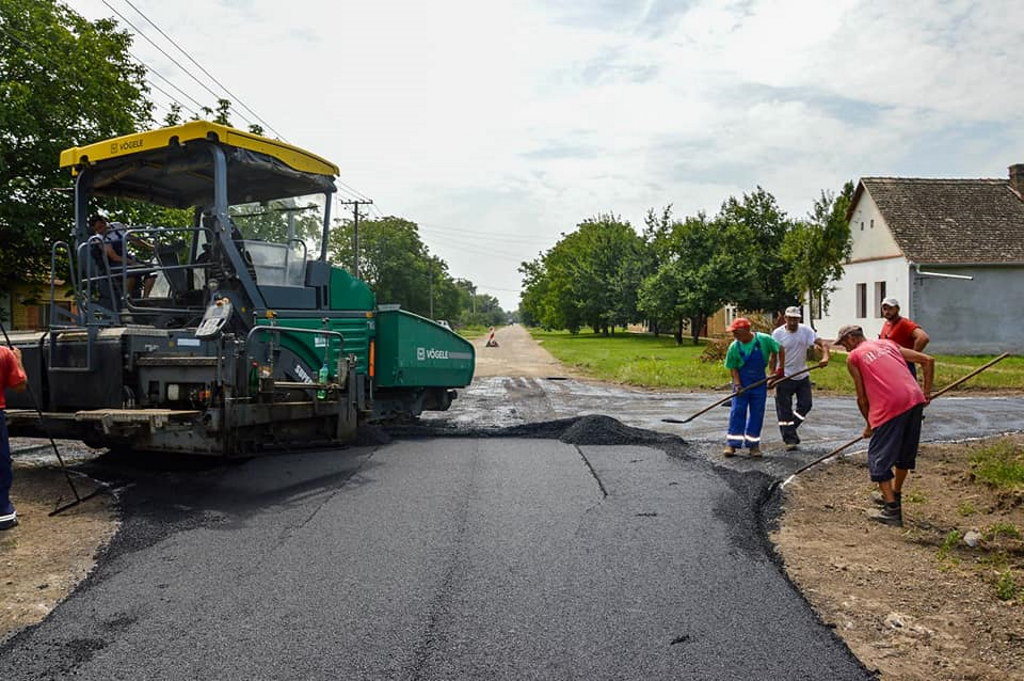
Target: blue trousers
(6, 472)
(746, 418)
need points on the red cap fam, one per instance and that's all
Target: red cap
(739, 323)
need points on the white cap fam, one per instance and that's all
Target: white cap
(793, 311)
(890, 302)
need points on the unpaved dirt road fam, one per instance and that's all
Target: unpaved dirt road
(517, 355)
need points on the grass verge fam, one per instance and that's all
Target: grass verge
(657, 362)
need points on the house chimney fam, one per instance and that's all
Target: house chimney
(1017, 178)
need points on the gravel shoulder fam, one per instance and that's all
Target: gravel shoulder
(46, 556)
(917, 603)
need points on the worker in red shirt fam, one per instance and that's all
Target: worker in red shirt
(12, 375)
(892, 404)
(902, 331)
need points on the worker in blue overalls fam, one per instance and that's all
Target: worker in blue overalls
(746, 358)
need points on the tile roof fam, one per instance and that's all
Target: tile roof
(951, 221)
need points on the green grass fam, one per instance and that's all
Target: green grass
(1003, 530)
(636, 359)
(471, 332)
(657, 362)
(948, 545)
(1006, 587)
(1000, 464)
(913, 497)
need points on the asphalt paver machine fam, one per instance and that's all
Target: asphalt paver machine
(245, 342)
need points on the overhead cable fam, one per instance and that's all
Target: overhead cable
(203, 85)
(234, 97)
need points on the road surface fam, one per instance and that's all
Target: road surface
(528, 536)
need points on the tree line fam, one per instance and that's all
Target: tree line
(66, 81)
(675, 273)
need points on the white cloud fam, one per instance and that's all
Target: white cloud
(513, 121)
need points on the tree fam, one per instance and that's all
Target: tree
(398, 266)
(590, 277)
(707, 268)
(768, 225)
(274, 220)
(656, 251)
(814, 250)
(221, 114)
(64, 81)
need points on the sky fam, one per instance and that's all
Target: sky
(499, 125)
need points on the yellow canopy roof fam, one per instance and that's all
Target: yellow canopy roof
(173, 166)
(143, 142)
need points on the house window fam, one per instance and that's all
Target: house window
(872, 223)
(862, 225)
(730, 314)
(862, 301)
(879, 296)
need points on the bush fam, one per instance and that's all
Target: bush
(715, 349)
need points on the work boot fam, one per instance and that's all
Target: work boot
(755, 451)
(729, 451)
(9, 520)
(890, 514)
(879, 500)
(790, 446)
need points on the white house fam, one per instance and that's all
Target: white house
(951, 251)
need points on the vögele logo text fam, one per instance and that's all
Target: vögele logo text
(431, 353)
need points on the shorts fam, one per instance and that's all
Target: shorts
(894, 444)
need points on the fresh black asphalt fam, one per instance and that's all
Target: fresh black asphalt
(456, 558)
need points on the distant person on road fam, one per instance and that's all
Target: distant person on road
(892, 403)
(746, 358)
(12, 375)
(115, 250)
(796, 339)
(901, 330)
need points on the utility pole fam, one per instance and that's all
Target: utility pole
(355, 203)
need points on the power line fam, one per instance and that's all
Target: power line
(162, 51)
(166, 80)
(487, 238)
(355, 192)
(203, 85)
(200, 67)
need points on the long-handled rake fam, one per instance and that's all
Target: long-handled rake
(42, 421)
(728, 397)
(949, 387)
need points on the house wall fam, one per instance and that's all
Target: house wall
(869, 233)
(894, 272)
(978, 317)
(874, 259)
(27, 307)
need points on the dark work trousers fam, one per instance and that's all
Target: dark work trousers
(789, 418)
(6, 507)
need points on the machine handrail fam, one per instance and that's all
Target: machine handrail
(320, 332)
(158, 266)
(55, 310)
